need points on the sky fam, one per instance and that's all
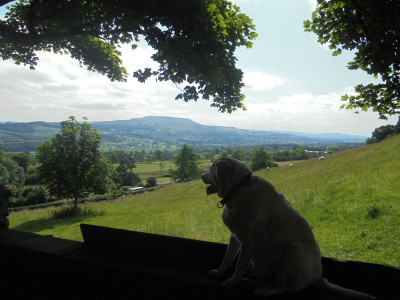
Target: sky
(292, 83)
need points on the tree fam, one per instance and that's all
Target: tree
(260, 159)
(238, 154)
(186, 165)
(397, 127)
(126, 176)
(23, 160)
(372, 29)
(10, 176)
(382, 132)
(194, 40)
(71, 163)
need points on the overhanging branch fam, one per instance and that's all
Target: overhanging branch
(4, 2)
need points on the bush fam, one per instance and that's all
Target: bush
(130, 179)
(71, 211)
(151, 181)
(30, 195)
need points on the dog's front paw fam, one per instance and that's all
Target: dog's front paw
(231, 282)
(216, 273)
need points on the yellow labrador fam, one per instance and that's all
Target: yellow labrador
(272, 239)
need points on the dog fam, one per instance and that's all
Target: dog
(272, 240)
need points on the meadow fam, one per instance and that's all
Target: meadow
(351, 200)
(160, 170)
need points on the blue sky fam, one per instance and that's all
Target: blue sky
(292, 83)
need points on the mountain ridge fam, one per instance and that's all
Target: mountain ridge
(167, 130)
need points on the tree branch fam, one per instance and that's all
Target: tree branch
(31, 18)
(359, 9)
(4, 2)
(33, 38)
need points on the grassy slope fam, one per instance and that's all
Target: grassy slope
(335, 195)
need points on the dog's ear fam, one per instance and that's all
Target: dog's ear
(223, 168)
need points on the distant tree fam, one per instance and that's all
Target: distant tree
(382, 132)
(23, 159)
(114, 158)
(140, 155)
(224, 154)
(166, 155)
(194, 40)
(150, 158)
(238, 154)
(209, 155)
(162, 165)
(158, 154)
(125, 169)
(397, 127)
(71, 163)
(260, 159)
(187, 167)
(372, 30)
(10, 176)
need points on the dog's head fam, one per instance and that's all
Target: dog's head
(223, 174)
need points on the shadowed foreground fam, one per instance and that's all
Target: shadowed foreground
(125, 264)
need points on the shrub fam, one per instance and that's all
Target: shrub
(32, 195)
(151, 181)
(130, 179)
(70, 211)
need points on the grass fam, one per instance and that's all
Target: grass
(145, 170)
(351, 200)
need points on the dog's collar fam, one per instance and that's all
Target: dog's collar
(234, 189)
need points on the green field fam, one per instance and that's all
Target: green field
(160, 170)
(351, 199)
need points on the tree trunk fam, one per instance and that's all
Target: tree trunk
(76, 202)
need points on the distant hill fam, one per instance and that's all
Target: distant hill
(164, 131)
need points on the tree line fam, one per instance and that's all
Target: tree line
(382, 132)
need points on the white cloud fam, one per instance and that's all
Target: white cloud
(303, 112)
(260, 81)
(60, 87)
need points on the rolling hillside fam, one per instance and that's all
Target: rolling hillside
(163, 132)
(351, 199)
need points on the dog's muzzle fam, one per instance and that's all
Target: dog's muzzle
(211, 189)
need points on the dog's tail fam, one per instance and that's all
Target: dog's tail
(340, 291)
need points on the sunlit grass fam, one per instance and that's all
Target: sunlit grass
(351, 199)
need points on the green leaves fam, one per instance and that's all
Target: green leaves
(186, 165)
(195, 41)
(372, 28)
(71, 163)
(260, 159)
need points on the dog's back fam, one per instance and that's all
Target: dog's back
(260, 206)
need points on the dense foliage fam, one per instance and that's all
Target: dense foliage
(125, 174)
(71, 164)
(260, 159)
(372, 29)
(11, 175)
(382, 132)
(186, 165)
(195, 41)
